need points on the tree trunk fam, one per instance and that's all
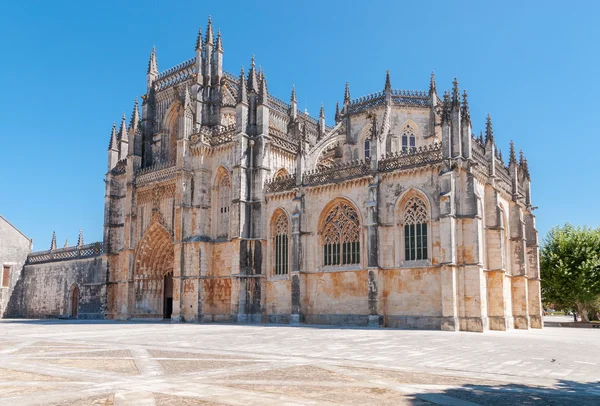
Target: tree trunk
(582, 312)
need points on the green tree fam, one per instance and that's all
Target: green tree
(570, 267)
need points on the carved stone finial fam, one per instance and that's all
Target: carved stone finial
(337, 112)
(242, 93)
(135, 117)
(322, 111)
(262, 91)
(293, 96)
(123, 131)
(446, 107)
(252, 79)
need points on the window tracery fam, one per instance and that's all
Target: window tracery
(367, 149)
(415, 230)
(281, 231)
(224, 199)
(408, 139)
(341, 235)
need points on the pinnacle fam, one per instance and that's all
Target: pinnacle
(322, 111)
(347, 93)
(53, 243)
(293, 96)
(489, 131)
(219, 43)
(123, 131)
(465, 107)
(455, 93)
(432, 88)
(199, 39)
(152, 64)
(135, 115)
(80, 238)
(513, 155)
(337, 112)
(388, 85)
(209, 32)
(113, 137)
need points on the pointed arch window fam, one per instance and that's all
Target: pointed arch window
(341, 236)
(367, 149)
(224, 201)
(408, 139)
(415, 230)
(281, 253)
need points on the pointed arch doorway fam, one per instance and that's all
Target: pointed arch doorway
(153, 273)
(168, 295)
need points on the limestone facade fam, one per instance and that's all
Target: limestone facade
(224, 203)
(14, 247)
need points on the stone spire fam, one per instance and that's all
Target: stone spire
(432, 89)
(489, 131)
(337, 112)
(388, 85)
(209, 32)
(293, 104)
(321, 121)
(500, 158)
(455, 94)
(481, 137)
(80, 239)
(112, 144)
(513, 155)
(347, 94)
(53, 243)
(525, 167)
(152, 64)
(123, 136)
(135, 118)
(152, 73)
(199, 40)
(66, 243)
(219, 43)
(263, 94)
(252, 80)
(465, 113)
(242, 93)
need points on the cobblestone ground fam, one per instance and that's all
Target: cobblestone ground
(106, 363)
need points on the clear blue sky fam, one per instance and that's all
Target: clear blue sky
(69, 69)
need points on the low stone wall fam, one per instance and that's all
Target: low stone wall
(47, 288)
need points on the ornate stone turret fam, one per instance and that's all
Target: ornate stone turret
(152, 73)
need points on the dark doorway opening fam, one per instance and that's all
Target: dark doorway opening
(168, 296)
(74, 302)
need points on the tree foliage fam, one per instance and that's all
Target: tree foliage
(570, 267)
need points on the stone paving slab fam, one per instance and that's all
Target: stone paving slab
(111, 363)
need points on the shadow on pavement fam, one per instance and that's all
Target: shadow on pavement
(563, 393)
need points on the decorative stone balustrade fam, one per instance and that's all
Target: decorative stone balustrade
(160, 171)
(428, 154)
(64, 254)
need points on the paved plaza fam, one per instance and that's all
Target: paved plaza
(109, 363)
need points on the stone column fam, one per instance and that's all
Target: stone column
(372, 251)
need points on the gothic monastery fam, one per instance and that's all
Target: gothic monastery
(225, 203)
